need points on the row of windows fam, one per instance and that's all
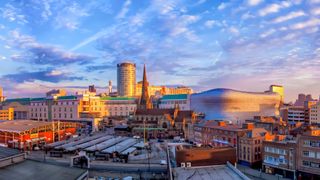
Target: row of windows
(275, 150)
(119, 114)
(147, 118)
(56, 103)
(35, 115)
(63, 115)
(311, 154)
(258, 141)
(309, 143)
(40, 109)
(310, 164)
(275, 160)
(92, 109)
(174, 102)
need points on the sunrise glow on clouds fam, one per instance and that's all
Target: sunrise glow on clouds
(245, 45)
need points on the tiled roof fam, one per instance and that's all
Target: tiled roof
(257, 132)
(214, 124)
(175, 96)
(21, 125)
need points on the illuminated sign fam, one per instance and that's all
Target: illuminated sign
(33, 136)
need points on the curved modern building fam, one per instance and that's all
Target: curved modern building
(126, 79)
(236, 106)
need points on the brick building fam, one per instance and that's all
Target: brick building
(279, 156)
(166, 122)
(250, 145)
(217, 133)
(308, 154)
(294, 157)
(205, 156)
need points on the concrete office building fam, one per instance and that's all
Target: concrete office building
(308, 154)
(315, 114)
(126, 79)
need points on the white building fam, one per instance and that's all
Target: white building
(296, 114)
(174, 100)
(118, 106)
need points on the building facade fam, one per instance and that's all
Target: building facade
(1, 95)
(279, 156)
(308, 154)
(315, 114)
(163, 90)
(7, 114)
(162, 122)
(176, 100)
(217, 133)
(250, 145)
(118, 106)
(296, 114)
(235, 106)
(293, 157)
(126, 79)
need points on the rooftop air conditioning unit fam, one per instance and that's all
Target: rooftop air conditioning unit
(188, 164)
(183, 165)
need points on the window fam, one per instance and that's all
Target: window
(305, 163)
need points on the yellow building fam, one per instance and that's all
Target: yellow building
(7, 114)
(163, 90)
(277, 89)
(1, 95)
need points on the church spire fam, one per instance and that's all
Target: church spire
(144, 100)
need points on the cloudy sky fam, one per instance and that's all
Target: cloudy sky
(245, 45)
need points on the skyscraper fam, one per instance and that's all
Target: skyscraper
(110, 87)
(145, 100)
(1, 95)
(126, 79)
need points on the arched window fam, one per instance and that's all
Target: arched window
(164, 125)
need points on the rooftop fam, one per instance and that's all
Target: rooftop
(175, 97)
(215, 125)
(21, 125)
(157, 112)
(67, 97)
(20, 100)
(7, 152)
(108, 98)
(36, 170)
(207, 172)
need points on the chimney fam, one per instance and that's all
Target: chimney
(248, 126)
(221, 123)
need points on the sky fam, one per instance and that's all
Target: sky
(204, 44)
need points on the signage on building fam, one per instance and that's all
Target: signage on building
(33, 136)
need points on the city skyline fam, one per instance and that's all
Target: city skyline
(242, 45)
